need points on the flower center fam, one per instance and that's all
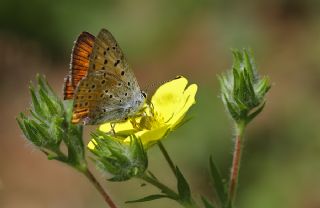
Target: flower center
(149, 120)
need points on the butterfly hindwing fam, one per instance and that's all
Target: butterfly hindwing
(99, 96)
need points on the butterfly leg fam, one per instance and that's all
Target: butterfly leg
(134, 123)
(113, 125)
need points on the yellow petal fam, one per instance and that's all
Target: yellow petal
(92, 144)
(189, 100)
(123, 126)
(168, 97)
(151, 136)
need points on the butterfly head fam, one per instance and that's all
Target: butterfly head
(141, 98)
(144, 94)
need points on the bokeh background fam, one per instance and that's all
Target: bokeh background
(162, 39)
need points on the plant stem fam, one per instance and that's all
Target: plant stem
(236, 162)
(172, 167)
(165, 189)
(98, 186)
(167, 157)
(168, 191)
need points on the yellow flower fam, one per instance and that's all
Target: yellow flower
(166, 111)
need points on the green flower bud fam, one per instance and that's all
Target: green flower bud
(44, 127)
(123, 160)
(242, 90)
(49, 124)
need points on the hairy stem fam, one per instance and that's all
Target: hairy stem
(98, 186)
(236, 163)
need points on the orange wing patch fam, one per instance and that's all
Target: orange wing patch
(79, 114)
(68, 90)
(79, 65)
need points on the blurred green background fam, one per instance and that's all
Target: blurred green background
(162, 39)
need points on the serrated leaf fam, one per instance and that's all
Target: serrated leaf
(206, 203)
(149, 198)
(183, 187)
(218, 182)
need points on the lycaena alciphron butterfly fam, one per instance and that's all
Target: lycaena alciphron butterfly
(101, 82)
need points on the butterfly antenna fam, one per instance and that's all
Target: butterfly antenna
(151, 87)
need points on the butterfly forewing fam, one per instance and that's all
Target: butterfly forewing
(79, 64)
(109, 91)
(108, 56)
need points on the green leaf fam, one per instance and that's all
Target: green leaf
(249, 83)
(263, 87)
(236, 82)
(149, 198)
(218, 182)
(35, 102)
(32, 134)
(248, 61)
(43, 83)
(236, 58)
(183, 187)
(206, 203)
(255, 113)
(232, 110)
(21, 125)
(41, 131)
(45, 98)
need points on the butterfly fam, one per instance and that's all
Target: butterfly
(101, 83)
